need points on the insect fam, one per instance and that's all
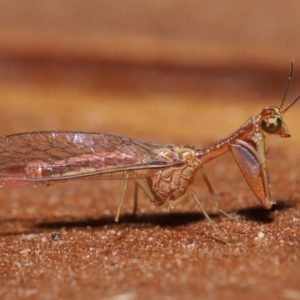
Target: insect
(163, 172)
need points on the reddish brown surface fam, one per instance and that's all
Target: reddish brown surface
(61, 241)
(186, 72)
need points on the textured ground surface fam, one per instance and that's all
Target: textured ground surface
(61, 241)
(186, 72)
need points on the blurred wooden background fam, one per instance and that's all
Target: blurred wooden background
(143, 68)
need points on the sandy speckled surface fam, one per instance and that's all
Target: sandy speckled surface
(61, 241)
(183, 72)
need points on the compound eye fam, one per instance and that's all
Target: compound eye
(271, 124)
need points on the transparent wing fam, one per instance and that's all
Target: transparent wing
(47, 156)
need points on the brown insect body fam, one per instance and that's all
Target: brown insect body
(164, 172)
(247, 146)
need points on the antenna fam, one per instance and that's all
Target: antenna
(288, 84)
(287, 88)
